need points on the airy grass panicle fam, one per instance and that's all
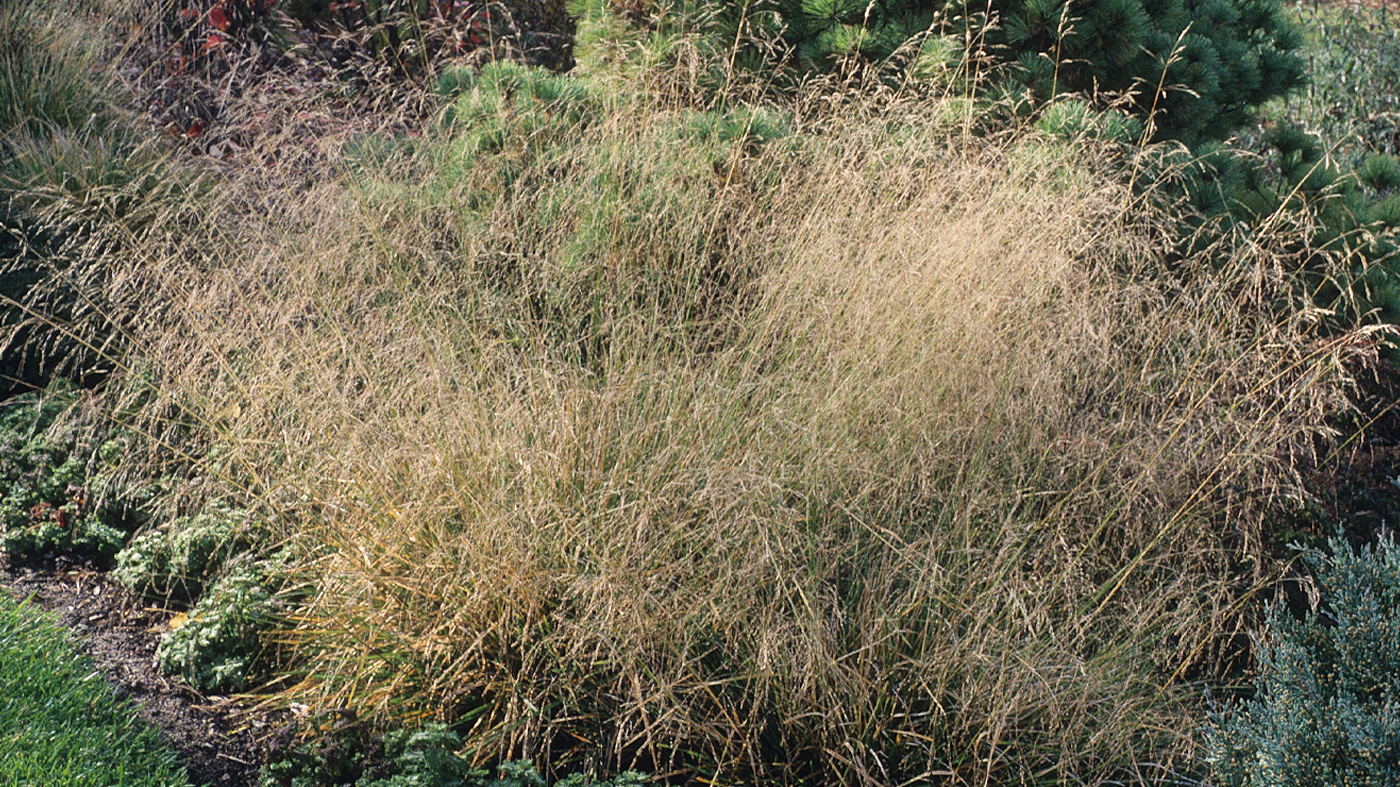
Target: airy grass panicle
(872, 454)
(817, 443)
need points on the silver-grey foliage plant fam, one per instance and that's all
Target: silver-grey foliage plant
(1328, 708)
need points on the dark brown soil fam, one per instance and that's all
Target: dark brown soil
(215, 738)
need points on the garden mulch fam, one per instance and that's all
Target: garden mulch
(217, 739)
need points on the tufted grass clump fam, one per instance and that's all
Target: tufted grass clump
(755, 443)
(79, 180)
(821, 441)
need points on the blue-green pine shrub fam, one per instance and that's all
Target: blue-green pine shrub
(1076, 118)
(506, 101)
(1327, 711)
(1197, 70)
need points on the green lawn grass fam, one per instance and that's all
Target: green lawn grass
(59, 722)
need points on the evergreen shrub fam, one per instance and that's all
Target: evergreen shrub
(1194, 70)
(1328, 707)
(506, 101)
(1291, 195)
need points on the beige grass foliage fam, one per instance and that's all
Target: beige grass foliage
(960, 497)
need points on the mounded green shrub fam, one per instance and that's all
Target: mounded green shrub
(1328, 708)
(52, 485)
(1334, 214)
(518, 146)
(219, 645)
(175, 562)
(505, 101)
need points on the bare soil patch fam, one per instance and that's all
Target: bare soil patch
(217, 739)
